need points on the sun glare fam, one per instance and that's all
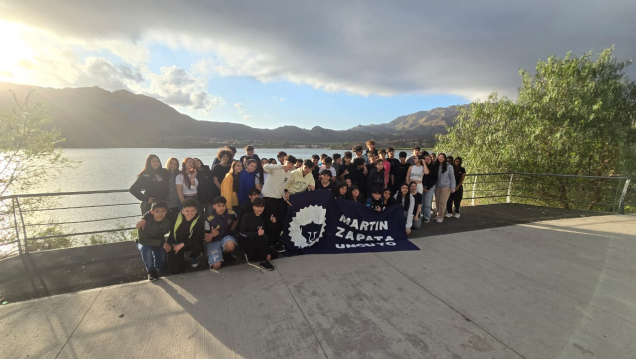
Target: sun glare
(13, 48)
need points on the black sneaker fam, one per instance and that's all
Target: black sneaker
(267, 266)
(152, 276)
(279, 247)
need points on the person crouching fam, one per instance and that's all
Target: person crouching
(219, 227)
(252, 238)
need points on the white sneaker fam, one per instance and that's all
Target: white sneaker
(456, 215)
(448, 215)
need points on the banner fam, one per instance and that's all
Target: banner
(318, 223)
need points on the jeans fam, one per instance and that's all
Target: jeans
(153, 257)
(427, 202)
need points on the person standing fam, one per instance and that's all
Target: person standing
(276, 198)
(417, 205)
(457, 196)
(416, 173)
(428, 190)
(151, 185)
(444, 186)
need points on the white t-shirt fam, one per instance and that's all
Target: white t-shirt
(332, 169)
(187, 191)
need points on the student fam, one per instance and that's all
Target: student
(370, 147)
(457, 196)
(187, 182)
(354, 195)
(316, 168)
(375, 201)
(444, 186)
(404, 199)
(337, 161)
(151, 184)
(172, 198)
(151, 242)
(247, 180)
(322, 159)
(325, 182)
(390, 154)
(252, 238)
(253, 194)
(416, 173)
(281, 157)
(232, 151)
(301, 179)
(186, 235)
(387, 166)
(388, 198)
(359, 174)
(272, 161)
(348, 182)
(376, 176)
(450, 160)
(218, 233)
(230, 185)
(416, 153)
(220, 170)
(346, 168)
(417, 205)
(299, 163)
(264, 162)
(428, 189)
(206, 186)
(400, 171)
(276, 198)
(249, 155)
(357, 150)
(328, 165)
(341, 190)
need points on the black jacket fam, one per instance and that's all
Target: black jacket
(431, 178)
(374, 179)
(153, 233)
(205, 190)
(151, 184)
(250, 223)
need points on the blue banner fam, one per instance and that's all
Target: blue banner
(317, 223)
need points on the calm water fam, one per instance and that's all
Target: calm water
(117, 168)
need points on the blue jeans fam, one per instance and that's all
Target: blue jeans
(154, 257)
(427, 202)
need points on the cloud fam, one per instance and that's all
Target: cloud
(241, 111)
(360, 47)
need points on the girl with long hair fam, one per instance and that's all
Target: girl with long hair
(404, 199)
(248, 180)
(457, 196)
(444, 186)
(172, 171)
(416, 172)
(187, 183)
(230, 185)
(151, 184)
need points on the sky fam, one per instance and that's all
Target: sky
(334, 64)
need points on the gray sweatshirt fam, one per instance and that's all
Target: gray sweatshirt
(446, 179)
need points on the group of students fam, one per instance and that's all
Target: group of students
(244, 202)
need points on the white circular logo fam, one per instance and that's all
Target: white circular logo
(308, 226)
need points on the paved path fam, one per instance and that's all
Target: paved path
(552, 289)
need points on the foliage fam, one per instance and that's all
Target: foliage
(574, 115)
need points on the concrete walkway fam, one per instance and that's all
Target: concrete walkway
(552, 289)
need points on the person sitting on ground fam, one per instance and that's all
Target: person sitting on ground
(388, 198)
(151, 242)
(186, 235)
(341, 190)
(218, 233)
(252, 238)
(375, 202)
(301, 179)
(356, 196)
(404, 199)
(325, 181)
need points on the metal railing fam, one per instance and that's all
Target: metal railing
(593, 193)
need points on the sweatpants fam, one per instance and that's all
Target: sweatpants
(441, 197)
(258, 248)
(456, 199)
(277, 207)
(176, 261)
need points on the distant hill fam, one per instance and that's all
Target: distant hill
(96, 118)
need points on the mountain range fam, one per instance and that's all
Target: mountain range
(92, 117)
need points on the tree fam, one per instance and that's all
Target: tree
(29, 155)
(574, 115)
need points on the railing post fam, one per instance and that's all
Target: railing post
(474, 187)
(509, 188)
(26, 239)
(621, 205)
(15, 224)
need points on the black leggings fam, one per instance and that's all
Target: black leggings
(176, 261)
(455, 198)
(257, 248)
